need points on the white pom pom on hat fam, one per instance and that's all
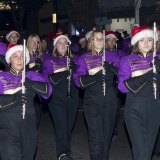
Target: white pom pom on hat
(139, 33)
(111, 34)
(12, 48)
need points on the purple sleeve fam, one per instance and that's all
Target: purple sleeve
(123, 74)
(34, 76)
(47, 69)
(122, 53)
(113, 57)
(81, 70)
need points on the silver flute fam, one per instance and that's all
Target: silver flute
(70, 72)
(103, 62)
(154, 66)
(24, 77)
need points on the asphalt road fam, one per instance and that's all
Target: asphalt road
(120, 147)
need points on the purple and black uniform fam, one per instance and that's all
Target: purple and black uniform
(18, 136)
(100, 111)
(141, 109)
(64, 101)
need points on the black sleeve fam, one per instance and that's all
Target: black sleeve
(56, 78)
(135, 84)
(7, 101)
(87, 80)
(40, 88)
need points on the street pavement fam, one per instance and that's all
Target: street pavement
(120, 146)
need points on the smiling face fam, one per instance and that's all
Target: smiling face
(61, 46)
(145, 44)
(16, 60)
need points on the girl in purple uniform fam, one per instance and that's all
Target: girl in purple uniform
(99, 109)
(18, 137)
(64, 100)
(142, 110)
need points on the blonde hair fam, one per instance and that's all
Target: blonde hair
(90, 46)
(29, 41)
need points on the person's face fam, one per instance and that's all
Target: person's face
(145, 44)
(62, 45)
(16, 60)
(83, 44)
(34, 43)
(44, 44)
(13, 38)
(110, 43)
(98, 41)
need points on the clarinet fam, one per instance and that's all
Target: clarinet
(103, 62)
(154, 66)
(70, 72)
(24, 77)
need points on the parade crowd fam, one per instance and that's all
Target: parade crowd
(101, 68)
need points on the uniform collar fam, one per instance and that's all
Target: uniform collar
(13, 71)
(142, 55)
(98, 54)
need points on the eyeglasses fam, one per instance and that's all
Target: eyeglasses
(98, 39)
(61, 43)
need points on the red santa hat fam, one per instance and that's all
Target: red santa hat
(58, 36)
(12, 48)
(139, 33)
(10, 33)
(111, 34)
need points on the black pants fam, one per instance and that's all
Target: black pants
(64, 113)
(18, 137)
(100, 114)
(142, 120)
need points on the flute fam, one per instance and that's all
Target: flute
(70, 72)
(154, 66)
(103, 61)
(24, 77)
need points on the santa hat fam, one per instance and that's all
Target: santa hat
(139, 33)
(10, 33)
(88, 34)
(134, 26)
(58, 37)
(12, 48)
(111, 34)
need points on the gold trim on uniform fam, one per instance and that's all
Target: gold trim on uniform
(45, 91)
(13, 71)
(55, 83)
(80, 80)
(135, 91)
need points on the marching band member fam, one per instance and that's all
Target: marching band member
(111, 43)
(13, 37)
(64, 100)
(142, 111)
(35, 50)
(18, 137)
(100, 111)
